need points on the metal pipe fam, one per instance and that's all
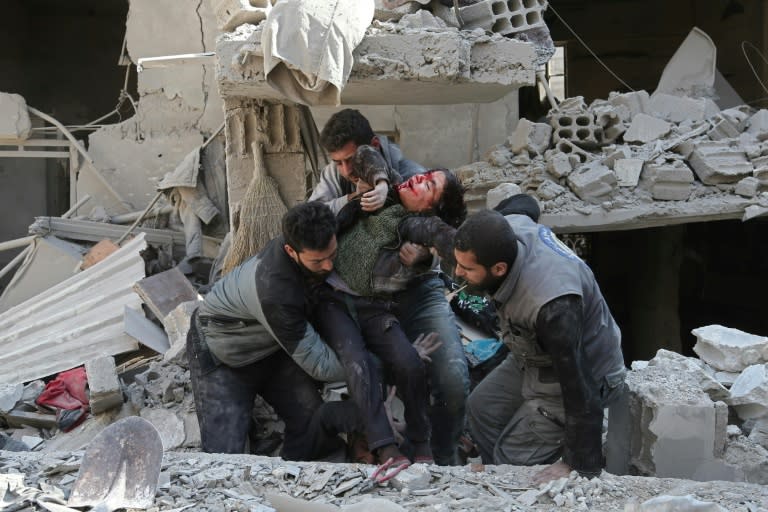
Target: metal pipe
(64, 130)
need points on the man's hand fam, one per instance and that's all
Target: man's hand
(412, 254)
(426, 344)
(374, 199)
(397, 427)
(557, 470)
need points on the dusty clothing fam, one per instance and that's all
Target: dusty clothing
(262, 306)
(356, 327)
(567, 351)
(332, 189)
(224, 398)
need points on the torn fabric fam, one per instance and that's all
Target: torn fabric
(308, 46)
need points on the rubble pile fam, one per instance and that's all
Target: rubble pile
(207, 482)
(630, 150)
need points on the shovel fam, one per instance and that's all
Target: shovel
(120, 468)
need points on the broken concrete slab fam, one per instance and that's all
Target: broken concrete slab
(628, 171)
(143, 330)
(728, 349)
(646, 128)
(592, 183)
(668, 181)
(14, 117)
(389, 67)
(559, 165)
(749, 393)
(747, 187)
(629, 104)
(168, 425)
(104, 388)
(717, 162)
(674, 429)
(758, 125)
(177, 324)
(532, 137)
(691, 70)
(164, 291)
(676, 109)
(10, 394)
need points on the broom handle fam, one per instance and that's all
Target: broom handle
(260, 168)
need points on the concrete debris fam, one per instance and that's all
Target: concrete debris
(176, 325)
(592, 183)
(646, 128)
(578, 127)
(749, 393)
(104, 387)
(414, 478)
(230, 14)
(728, 349)
(669, 181)
(747, 187)
(718, 162)
(677, 109)
(384, 12)
(14, 117)
(628, 171)
(498, 16)
(217, 482)
(758, 125)
(421, 20)
(501, 192)
(10, 394)
(675, 504)
(535, 138)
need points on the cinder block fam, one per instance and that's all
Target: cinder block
(580, 129)
(575, 154)
(716, 162)
(104, 386)
(592, 183)
(498, 16)
(668, 181)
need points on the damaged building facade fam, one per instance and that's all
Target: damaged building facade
(660, 185)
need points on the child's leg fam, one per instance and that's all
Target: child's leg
(340, 331)
(384, 337)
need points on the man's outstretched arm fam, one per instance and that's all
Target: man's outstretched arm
(559, 330)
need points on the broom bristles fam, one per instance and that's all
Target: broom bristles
(261, 215)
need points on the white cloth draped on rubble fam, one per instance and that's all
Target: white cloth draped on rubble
(308, 46)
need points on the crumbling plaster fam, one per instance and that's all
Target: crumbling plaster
(177, 105)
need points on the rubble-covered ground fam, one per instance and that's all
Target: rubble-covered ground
(206, 482)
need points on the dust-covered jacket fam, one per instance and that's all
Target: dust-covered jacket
(262, 306)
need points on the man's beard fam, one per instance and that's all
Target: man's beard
(488, 286)
(312, 277)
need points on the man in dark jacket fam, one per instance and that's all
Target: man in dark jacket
(422, 308)
(251, 336)
(544, 403)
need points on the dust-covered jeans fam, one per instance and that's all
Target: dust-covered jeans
(516, 416)
(423, 309)
(224, 399)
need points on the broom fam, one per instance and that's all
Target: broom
(260, 214)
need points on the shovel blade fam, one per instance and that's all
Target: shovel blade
(120, 468)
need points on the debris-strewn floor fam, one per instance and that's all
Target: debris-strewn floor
(205, 482)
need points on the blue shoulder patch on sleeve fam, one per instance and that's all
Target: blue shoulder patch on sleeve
(550, 240)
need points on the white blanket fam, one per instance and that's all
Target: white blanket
(308, 46)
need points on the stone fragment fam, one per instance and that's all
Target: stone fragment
(420, 20)
(191, 431)
(168, 425)
(761, 174)
(668, 181)
(384, 13)
(105, 392)
(759, 434)
(14, 117)
(500, 192)
(629, 104)
(747, 187)
(666, 426)
(723, 128)
(613, 153)
(676, 109)
(559, 165)
(678, 503)
(10, 394)
(757, 125)
(176, 325)
(592, 182)
(532, 137)
(645, 128)
(749, 393)
(628, 171)
(728, 349)
(716, 162)
(414, 477)
(738, 116)
(549, 190)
